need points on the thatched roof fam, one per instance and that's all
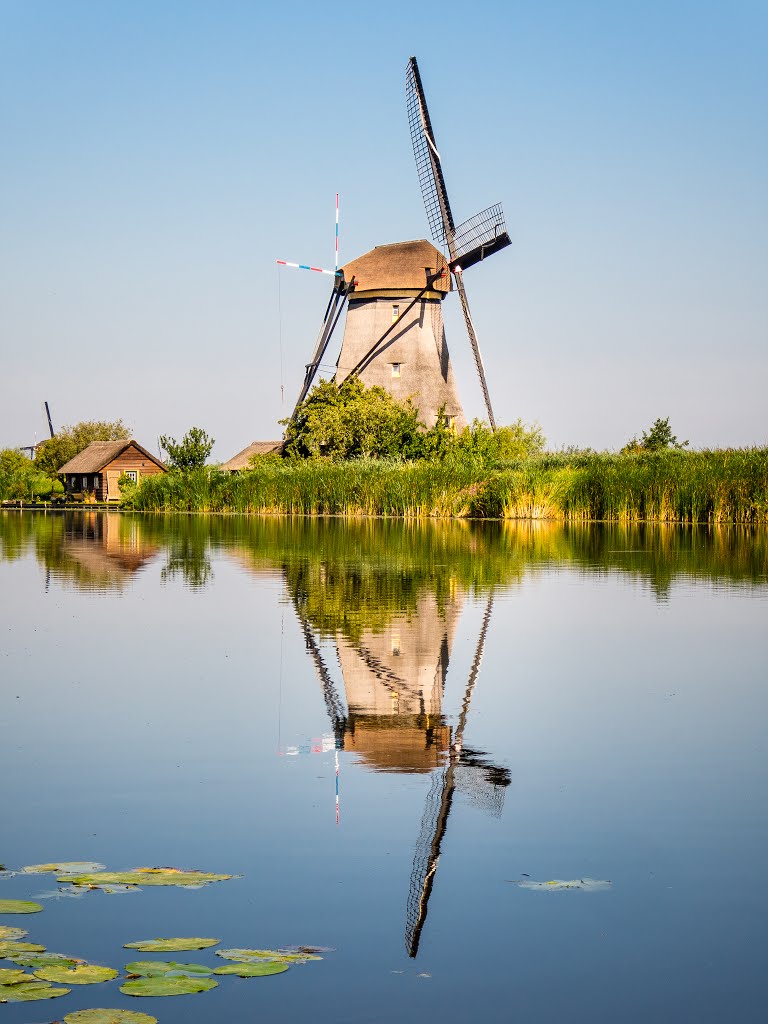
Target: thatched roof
(399, 266)
(243, 458)
(99, 454)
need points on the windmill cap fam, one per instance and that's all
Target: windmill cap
(400, 266)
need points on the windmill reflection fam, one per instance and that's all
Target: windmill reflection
(394, 680)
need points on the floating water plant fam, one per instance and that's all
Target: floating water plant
(9, 950)
(63, 892)
(13, 977)
(250, 955)
(45, 960)
(257, 969)
(165, 986)
(164, 968)
(27, 992)
(101, 1016)
(80, 974)
(145, 876)
(558, 885)
(69, 867)
(307, 949)
(7, 933)
(19, 907)
(170, 945)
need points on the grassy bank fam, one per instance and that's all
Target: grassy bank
(728, 486)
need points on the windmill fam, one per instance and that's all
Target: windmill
(31, 448)
(393, 334)
(394, 680)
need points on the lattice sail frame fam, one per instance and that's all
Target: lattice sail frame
(479, 237)
(427, 158)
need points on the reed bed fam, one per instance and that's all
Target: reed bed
(722, 486)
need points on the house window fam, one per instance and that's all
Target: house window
(131, 474)
(450, 422)
(395, 369)
(95, 483)
(395, 313)
(85, 483)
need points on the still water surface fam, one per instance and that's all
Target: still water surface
(505, 703)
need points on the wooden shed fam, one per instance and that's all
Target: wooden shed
(97, 468)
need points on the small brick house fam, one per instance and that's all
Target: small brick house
(97, 468)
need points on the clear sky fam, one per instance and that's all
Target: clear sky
(158, 157)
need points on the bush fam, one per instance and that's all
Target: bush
(350, 421)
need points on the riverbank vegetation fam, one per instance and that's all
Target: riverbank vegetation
(351, 450)
(729, 486)
(355, 451)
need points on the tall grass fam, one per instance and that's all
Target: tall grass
(724, 486)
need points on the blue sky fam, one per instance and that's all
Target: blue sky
(158, 157)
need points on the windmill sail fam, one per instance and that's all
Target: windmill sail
(339, 296)
(470, 242)
(466, 770)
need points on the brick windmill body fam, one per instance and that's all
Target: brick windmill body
(394, 334)
(413, 360)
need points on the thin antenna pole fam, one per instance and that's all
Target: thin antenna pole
(337, 233)
(280, 334)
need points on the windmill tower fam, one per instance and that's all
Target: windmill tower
(391, 307)
(394, 333)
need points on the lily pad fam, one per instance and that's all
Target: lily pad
(28, 992)
(72, 892)
(251, 955)
(259, 969)
(8, 950)
(8, 934)
(163, 968)
(19, 907)
(559, 885)
(83, 974)
(69, 867)
(11, 977)
(170, 945)
(145, 876)
(108, 1017)
(167, 986)
(307, 949)
(45, 960)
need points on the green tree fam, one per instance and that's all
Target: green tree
(349, 420)
(53, 453)
(189, 453)
(17, 474)
(658, 438)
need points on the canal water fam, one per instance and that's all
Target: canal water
(394, 735)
